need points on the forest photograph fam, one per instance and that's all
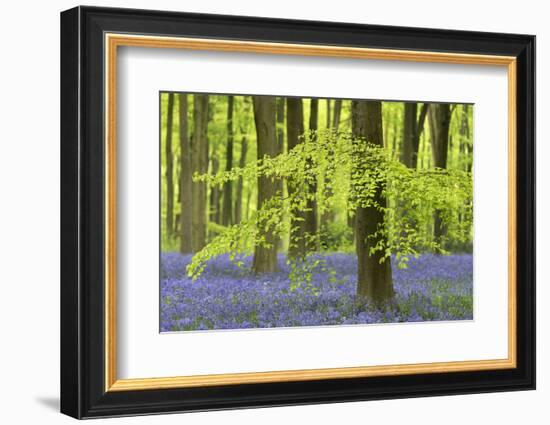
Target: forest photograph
(291, 212)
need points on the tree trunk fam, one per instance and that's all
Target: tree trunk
(465, 138)
(374, 274)
(239, 194)
(280, 148)
(440, 120)
(409, 133)
(328, 213)
(227, 218)
(337, 114)
(295, 129)
(328, 121)
(199, 158)
(412, 130)
(265, 255)
(186, 180)
(169, 167)
(215, 192)
(310, 223)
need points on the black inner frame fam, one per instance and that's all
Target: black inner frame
(82, 212)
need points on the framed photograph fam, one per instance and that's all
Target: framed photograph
(261, 212)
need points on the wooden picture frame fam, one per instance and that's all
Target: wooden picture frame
(90, 38)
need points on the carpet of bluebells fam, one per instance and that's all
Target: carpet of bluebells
(432, 287)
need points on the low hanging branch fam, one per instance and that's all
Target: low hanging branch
(417, 192)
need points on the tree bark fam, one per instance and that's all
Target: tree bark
(265, 255)
(412, 130)
(328, 120)
(374, 274)
(239, 191)
(337, 114)
(294, 130)
(409, 133)
(199, 158)
(280, 147)
(186, 180)
(440, 119)
(465, 137)
(227, 218)
(310, 223)
(215, 192)
(328, 213)
(169, 167)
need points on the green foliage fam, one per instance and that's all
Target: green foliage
(336, 236)
(347, 172)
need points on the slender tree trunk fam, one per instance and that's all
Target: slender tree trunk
(265, 255)
(419, 129)
(440, 120)
(169, 167)
(310, 224)
(280, 124)
(328, 213)
(280, 148)
(412, 129)
(295, 129)
(227, 218)
(248, 198)
(199, 158)
(374, 275)
(215, 192)
(328, 122)
(394, 139)
(337, 114)
(186, 180)
(465, 137)
(409, 133)
(239, 194)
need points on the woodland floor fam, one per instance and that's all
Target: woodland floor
(431, 288)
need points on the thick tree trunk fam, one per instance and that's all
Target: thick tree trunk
(169, 167)
(265, 256)
(186, 180)
(440, 120)
(239, 191)
(294, 130)
(227, 218)
(374, 274)
(199, 158)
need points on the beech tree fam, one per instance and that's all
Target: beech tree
(310, 219)
(199, 160)
(374, 274)
(215, 195)
(227, 217)
(186, 179)
(169, 167)
(348, 165)
(295, 130)
(412, 129)
(440, 121)
(265, 252)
